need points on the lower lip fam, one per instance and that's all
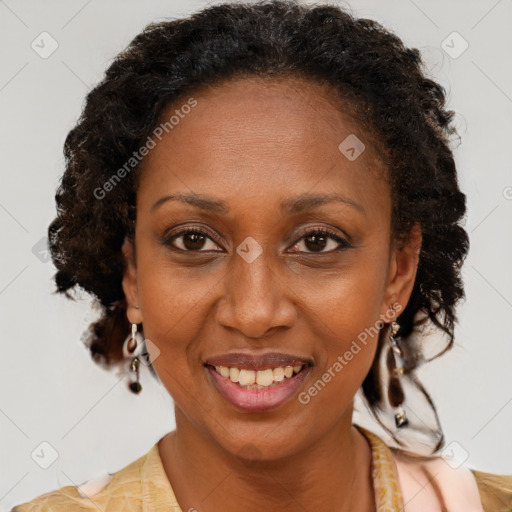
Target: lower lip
(258, 400)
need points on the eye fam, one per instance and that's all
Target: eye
(317, 239)
(191, 240)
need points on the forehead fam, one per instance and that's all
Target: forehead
(256, 136)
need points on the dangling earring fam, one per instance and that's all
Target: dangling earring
(130, 345)
(395, 392)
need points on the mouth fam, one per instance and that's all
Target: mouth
(257, 384)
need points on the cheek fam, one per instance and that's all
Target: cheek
(174, 296)
(346, 314)
(175, 302)
(346, 301)
(348, 332)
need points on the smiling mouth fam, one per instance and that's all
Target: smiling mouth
(247, 378)
(257, 391)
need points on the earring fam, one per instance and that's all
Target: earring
(131, 343)
(395, 392)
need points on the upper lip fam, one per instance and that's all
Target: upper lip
(257, 361)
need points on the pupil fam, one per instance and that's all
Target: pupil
(196, 241)
(315, 242)
(315, 239)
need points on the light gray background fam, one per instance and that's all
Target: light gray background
(51, 390)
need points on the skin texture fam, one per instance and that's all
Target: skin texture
(254, 143)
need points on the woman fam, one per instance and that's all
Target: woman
(267, 193)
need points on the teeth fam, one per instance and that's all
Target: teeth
(288, 372)
(246, 377)
(264, 377)
(259, 378)
(278, 374)
(233, 374)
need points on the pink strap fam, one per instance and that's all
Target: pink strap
(435, 486)
(94, 486)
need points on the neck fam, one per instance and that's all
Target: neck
(333, 473)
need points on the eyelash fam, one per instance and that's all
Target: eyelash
(323, 231)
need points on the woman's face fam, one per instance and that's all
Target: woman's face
(290, 263)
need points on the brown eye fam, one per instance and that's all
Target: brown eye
(190, 240)
(315, 241)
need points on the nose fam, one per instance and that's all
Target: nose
(256, 302)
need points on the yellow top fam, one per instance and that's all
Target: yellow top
(143, 486)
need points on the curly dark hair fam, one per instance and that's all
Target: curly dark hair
(382, 82)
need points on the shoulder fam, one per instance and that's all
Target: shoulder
(114, 492)
(59, 500)
(495, 491)
(428, 481)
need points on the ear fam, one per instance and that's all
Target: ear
(129, 283)
(402, 273)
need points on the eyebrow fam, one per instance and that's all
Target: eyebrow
(291, 206)
(197, 200)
